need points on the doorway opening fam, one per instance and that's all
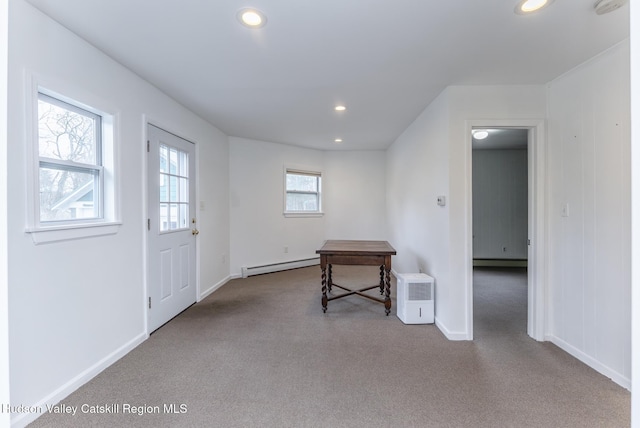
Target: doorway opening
(500, 230)
(505, 220)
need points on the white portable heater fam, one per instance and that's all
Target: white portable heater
(415, 298)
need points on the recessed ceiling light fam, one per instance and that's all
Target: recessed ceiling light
(480, 134)
(251, 18)
(528, 6)
(340, 108)
(338, 140)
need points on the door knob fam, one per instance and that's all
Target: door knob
(194, 231)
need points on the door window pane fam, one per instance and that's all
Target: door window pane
(174, 189)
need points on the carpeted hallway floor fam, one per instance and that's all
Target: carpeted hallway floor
(259, 352)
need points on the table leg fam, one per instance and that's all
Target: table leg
(387, 297)
(381, 279)
(324, 289)
(330, 279)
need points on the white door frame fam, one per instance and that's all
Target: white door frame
(537, 196)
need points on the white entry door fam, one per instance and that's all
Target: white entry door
(171, 226)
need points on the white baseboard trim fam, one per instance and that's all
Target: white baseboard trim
(451, 335)
(23, 419)
(214, 287)
(591, 362)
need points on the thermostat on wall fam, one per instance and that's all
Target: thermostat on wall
(442, 201)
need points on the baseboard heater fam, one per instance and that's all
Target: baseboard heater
(500, 262)
(276, 267)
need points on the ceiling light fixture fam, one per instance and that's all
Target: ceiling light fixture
(340, 108)
(251, 18)
(338, 140)
(529, 6)
(480, 134)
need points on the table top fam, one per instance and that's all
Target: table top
(356, 248)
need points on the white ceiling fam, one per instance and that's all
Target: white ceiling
(386, 60)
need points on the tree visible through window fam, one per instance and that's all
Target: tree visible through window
(303, 190)
(70, 161)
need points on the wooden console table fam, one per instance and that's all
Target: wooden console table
(369, 253)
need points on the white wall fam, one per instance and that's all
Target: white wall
(589, 257)
(417, 173)
(4, 280)
(635, 210)
(213, 211)
(355, 188)
(353, 201)
(500, 204)
(76, 306)
(259, 229)
(431, 158)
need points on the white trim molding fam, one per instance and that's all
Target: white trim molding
(591, 362)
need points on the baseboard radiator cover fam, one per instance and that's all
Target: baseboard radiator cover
(248, 271)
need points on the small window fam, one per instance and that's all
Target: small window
(71, 175)
(303, 190)
(174, 189)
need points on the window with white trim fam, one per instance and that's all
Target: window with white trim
(303, 192)
(70, 169)
(73, 186)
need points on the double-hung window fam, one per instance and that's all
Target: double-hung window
(73, 188)
(303, 192)
(70, 169)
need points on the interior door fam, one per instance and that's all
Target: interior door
(171, 226)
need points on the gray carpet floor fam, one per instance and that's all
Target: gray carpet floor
(259, 352)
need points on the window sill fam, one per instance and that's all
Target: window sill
(70, 232)
(302, 214)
